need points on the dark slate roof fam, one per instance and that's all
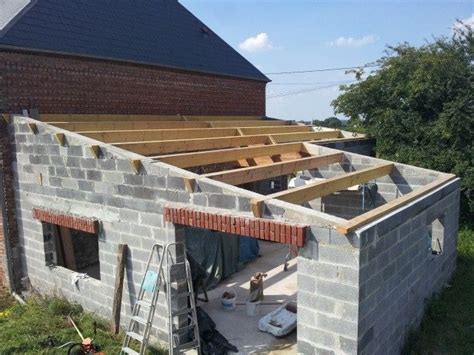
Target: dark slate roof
(157, 32)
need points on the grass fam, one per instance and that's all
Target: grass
(41, 325)
(448, 324)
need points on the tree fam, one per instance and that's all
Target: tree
(419, 105)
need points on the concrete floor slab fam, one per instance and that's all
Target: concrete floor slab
(279, 287)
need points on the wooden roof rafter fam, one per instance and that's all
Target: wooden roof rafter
(188, 160)
(120, 136)
(197, 144)
(319, 189)
(262, 172)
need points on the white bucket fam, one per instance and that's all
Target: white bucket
(229, 303)
(253, 308)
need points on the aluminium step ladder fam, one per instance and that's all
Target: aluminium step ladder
(184, 296)
(144, 308)
(148, 297)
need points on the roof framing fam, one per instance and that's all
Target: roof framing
(191, 141)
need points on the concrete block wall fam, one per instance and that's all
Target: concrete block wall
(328, 293)
(333, 270)
(129, 206)
(398, 271)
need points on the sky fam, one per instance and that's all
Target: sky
(293, 35)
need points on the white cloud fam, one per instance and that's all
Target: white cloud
(354, 42)
(469, 21)
(257, 43)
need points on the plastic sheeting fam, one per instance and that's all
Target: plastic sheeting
(220, 254)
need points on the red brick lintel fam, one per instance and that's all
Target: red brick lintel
(275, 231)
(67, 220)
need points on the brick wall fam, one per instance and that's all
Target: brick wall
(55, 84)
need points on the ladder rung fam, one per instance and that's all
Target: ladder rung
(135, 336)
(188, 346)
(181, 312)
(183, 294)
(129, 351)
(140, 320)
(143, 303)
(182, 329)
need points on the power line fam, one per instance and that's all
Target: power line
(300, 92)
(322, 70)
(315, 83)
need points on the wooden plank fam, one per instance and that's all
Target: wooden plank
(95, 150)
(274, 129)
(106, 118)
(67, 248)
(158, 134)
(378, 212)
(135, 164)
(119, 136)
(118, 117)
(318, 189)
(223, 118)
(124, 126)
(189, 145)
(60, 138)
(218, 124)
(188, 160)
(262, 172)
(305, 136)
(189, 184)
(175, 146)
(118, 289)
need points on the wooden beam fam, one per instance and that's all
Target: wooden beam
(188, 160)
(117, 299)
(262, 172)
(33, 127)
(378, 212)
(124, 126)
(189, 145)
(274, 129)
(262, 123)
(60, 138)
(319, 189)
(223, 118)
(7, 117)
(158, 134)
(95, 150)
(305, 136)
(189, 184)
(119, 136)
(135, 163)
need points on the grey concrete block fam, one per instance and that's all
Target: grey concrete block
(305, 348)
(222, 201)
(130, 179)
(342, 255)
(338, 291)
(94, 175)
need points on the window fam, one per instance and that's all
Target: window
(71, 248)
(436, 236)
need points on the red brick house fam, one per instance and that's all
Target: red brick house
(146, 57)
(125, 57)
